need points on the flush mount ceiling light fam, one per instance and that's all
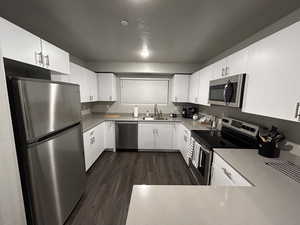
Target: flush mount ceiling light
(124, 23)
(145, 52)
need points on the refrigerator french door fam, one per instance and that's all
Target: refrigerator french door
(48, 133)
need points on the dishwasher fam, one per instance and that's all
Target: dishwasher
(126, 136)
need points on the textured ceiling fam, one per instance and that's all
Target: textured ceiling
(180, 31)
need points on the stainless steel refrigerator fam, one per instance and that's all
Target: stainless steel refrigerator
(48, 133)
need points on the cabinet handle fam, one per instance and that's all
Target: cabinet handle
(228, 174)
(227, 70)
(175, 99)
(223, 72)
(297, 114)
(47, 60)
(38, 58)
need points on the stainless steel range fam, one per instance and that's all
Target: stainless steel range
(234, 134)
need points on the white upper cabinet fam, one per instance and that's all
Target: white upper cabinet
(107, 87)
(194, 88)
(86, 79)
(219, 69)
(92, 86)
(55, 59)
(20, 45)
(237, 63)
(206, 76)
(180, 88)
(272, 85)
(79, 76)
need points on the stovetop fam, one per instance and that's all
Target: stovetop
(221, 139)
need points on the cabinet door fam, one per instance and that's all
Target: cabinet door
(78, 76)
(90, 155)
(205, 78)
(225, 175)
(20, 45)
(92, 85)
(163, 136)
(237, 63)
(272, 85)
(219, 178)
(55, 59)
(194, 88)
(146, 136)
(110, 141)
(180, 88)
(219, 69)
(99, 139)
(107, 87)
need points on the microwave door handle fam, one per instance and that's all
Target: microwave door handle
(200, 157)
(227, 95)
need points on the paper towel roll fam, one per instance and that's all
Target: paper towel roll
(136, 112)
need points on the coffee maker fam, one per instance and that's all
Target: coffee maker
(188, 112)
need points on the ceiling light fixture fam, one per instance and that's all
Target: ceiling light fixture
(145, 52)
(124, 23)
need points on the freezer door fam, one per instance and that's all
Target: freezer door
(56, 176)
(47, 106)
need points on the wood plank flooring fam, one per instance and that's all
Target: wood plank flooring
(110, 180)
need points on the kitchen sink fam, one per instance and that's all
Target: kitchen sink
(155, 118)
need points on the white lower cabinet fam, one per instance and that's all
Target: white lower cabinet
(93, 140)
(224, 175)
(155, 135)
(110, 138)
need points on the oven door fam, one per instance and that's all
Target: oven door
(227, 91)
(202, 169)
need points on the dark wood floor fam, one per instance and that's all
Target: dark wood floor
(110, 182)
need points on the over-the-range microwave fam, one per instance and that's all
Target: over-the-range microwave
(227, 91)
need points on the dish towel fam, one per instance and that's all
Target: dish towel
(196, 154)
(191, 148)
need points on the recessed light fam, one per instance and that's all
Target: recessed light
(124, 23)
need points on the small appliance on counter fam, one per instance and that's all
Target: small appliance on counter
(269, 141)
(136, 112)
(173, 115)
(189, 112)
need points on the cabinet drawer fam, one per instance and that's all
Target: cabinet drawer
(223, 167)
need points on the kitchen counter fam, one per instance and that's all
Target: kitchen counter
(91, 120)
(273, 200)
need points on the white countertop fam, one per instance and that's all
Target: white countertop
(274, 200)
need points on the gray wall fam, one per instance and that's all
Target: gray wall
(279, 25)
(138, 67)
